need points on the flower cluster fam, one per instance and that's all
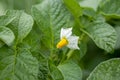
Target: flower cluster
(67, 39)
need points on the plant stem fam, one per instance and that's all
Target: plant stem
(85, 32)
(69, 54)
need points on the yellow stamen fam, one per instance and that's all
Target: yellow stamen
(62, 43)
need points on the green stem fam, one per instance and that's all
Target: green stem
(63, 58)
(85, 32)
(78, 22)
(82, 36)
(69, 54)
(15, 55)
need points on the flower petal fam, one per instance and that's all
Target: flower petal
(65, 32)
(73, 42)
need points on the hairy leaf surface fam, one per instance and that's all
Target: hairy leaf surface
(103, 35)
(20, 65)
(6, 35)
(51, 16)
(108, 70)
(110, 8)
(22, 24)
(90, 4)
(70, 71)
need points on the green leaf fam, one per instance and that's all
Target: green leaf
(70, 71)
(108, 70)
(110, 8)
(90, 4)
(117, 46)
(5, 20)
(55, 73)
(6, 35)
(22, 24)
(103, 35)
(43, 69)
(89, 12)
(17, 65)
(51, 16)
(74, 7)
(34, 43)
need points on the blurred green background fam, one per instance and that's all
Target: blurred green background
(17, 5)
(93, 56)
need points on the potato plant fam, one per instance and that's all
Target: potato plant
(59, 40)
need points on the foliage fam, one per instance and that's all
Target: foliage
(28, 38)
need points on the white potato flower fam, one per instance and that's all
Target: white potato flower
(67, 39)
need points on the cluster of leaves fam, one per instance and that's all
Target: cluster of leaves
(28, 41)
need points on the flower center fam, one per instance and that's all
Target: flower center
(62, 43)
